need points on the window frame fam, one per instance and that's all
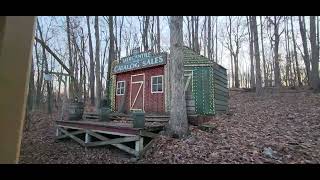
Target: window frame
(156, 92)
(124, 87)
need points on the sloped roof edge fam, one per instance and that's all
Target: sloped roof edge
(203, 56)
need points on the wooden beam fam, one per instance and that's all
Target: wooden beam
(148, 146)
(148, 134)
(54, 55)
(120, 146)
(100, 131)
(16, 39)
(80, 141)
(67, 135)
(113, 141)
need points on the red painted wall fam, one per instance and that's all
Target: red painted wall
(153, 102)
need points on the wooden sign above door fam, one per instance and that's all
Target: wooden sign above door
(140, 61)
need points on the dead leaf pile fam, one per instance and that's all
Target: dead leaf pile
(274, 128)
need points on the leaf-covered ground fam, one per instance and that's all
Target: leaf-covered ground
(275, 128)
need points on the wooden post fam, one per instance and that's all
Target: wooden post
(87, 138)
(16, 38)
(139, 144)
(58, 133)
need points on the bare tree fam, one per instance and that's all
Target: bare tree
(178, 124)
(91, 76)
(158, 34)
(97, 59)
(152, 36)
(315, 82)
(288, 55)
(252, 77)
(305, 56)
(146, 20)
(192, 33)
(216, 39)
(209, 38)
(45, 60)
(189, 32)
(120, 36)
(236, 36)
(229, 46)
(31, 89)
(277, 76)
(39, 76)
(196, 33)
(263, 56)
(257, 55)
(295, 54)
(71, 66)
(111, 56)
(84, 77)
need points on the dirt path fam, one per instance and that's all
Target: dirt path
(281, 128)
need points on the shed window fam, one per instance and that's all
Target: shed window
(120, 87)
(157, 84)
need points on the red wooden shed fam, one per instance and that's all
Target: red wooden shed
(140, 83)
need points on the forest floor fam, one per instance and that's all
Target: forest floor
(274, 128)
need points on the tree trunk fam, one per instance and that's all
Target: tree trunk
(178, 124)
(111, 58)
(97, 59)
(315, 82)
(196, 38)
(189, 32)
(277, 75)
(116, 37)
(31, 89)
(103, 93)
(306, 57)
(152, 39)
(287, 55)
(39, 77)
(76, 60)
(212, 41)
(236, 71)
(71, 66)
(59, 86)
(216, 40)
(81, 59)
(158, 34)
(295, 54)
(231, 52)
(145, 33)
(205, 39)
(91, 76)
(120, 37)
(49, 96)
(271, 73)
(209, 37)
(318, 38)
(290, 76)
(192, 32)
(84, 81)
(252, 77)
(257, 56)
(263, 56)
(83, 67)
